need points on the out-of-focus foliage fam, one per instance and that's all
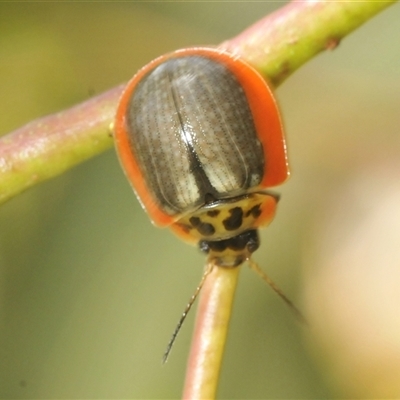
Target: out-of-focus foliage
(91, 291)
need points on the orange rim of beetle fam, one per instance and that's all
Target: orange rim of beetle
(269, 128)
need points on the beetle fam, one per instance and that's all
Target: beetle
(199, 135)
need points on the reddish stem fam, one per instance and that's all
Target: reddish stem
(213, 315)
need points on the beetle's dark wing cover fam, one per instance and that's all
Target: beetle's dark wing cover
(192, 134)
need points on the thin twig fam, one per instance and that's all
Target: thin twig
(211, 328)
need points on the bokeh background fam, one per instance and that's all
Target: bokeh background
(91, 292)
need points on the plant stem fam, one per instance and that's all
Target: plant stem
(276, 45)
(49, 146)
(211, 328)
(280, 43)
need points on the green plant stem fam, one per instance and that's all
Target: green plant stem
(48, 146)
(209, 338)
(276, 45)
(283, 41)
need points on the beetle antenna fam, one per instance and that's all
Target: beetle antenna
(254, 266)
(189, 305)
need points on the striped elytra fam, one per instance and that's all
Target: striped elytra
(191, 131)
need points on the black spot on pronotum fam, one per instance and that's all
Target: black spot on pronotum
(254, 211)
(234, 221)
(213, 213)
(195, 221)
(205, 229)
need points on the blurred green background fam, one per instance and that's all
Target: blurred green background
(90, 290)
